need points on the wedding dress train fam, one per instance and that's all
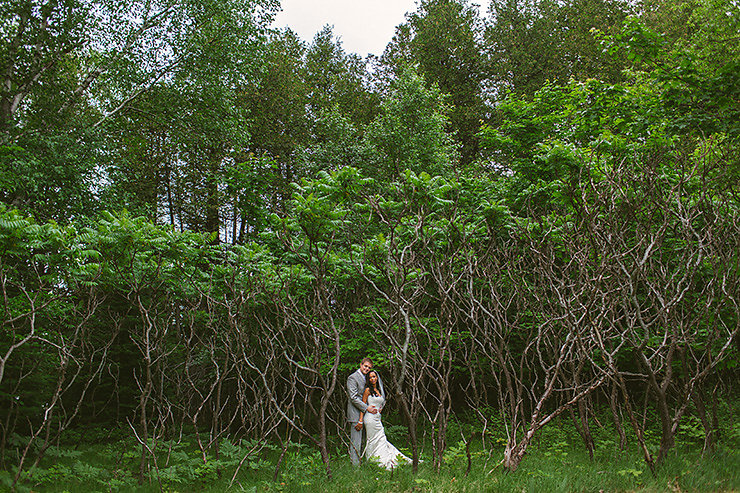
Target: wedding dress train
(377, 447)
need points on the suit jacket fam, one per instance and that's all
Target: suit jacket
(355, 389)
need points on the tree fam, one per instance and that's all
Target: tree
(279, 125)
(446, 44)
(530, 42)
(313, 309)
(336, 144)
(113, 54)
(72, 67)
(410, 131)
(335, 77)
(442, 39)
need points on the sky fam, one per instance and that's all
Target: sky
(363, 26)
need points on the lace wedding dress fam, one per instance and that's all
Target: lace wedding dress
(377, 447)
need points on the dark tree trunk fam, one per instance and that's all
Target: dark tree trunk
(322, 437)
(413, 439)
(213, 223)
(702, 412)
(614, 406)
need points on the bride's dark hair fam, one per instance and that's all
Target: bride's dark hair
(373, 387)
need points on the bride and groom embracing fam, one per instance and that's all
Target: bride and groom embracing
(366, 398)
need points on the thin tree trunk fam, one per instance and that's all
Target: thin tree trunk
(708, 429)
(413, 437)
(614, 406)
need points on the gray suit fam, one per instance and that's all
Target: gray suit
(355, 406)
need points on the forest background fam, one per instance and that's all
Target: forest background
(525, 213)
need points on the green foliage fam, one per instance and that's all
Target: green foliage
(335, 78)
(277, 99)
(446, 44)
(49, 176)
(698, 90)
(109, 105)
(303, 467)
(533, 42)
(551, 467)
(410, 132)
(691, 429)
(187, 467)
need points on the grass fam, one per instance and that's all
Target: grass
(557, 462)
(567, 471)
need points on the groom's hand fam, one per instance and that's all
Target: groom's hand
(372, 410)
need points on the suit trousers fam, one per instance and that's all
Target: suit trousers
(355, 443)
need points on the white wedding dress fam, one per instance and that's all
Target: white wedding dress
(377, 447)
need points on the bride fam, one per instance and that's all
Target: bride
(377, 447)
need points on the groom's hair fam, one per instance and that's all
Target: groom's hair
(366, 359)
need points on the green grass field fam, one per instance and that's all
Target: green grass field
(556, 462)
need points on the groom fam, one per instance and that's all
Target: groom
(355, 406)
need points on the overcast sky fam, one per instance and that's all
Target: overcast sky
(363, 26)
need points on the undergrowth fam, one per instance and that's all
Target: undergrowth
(556, 461)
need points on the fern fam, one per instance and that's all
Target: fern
(88, 472)
(63, 453)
